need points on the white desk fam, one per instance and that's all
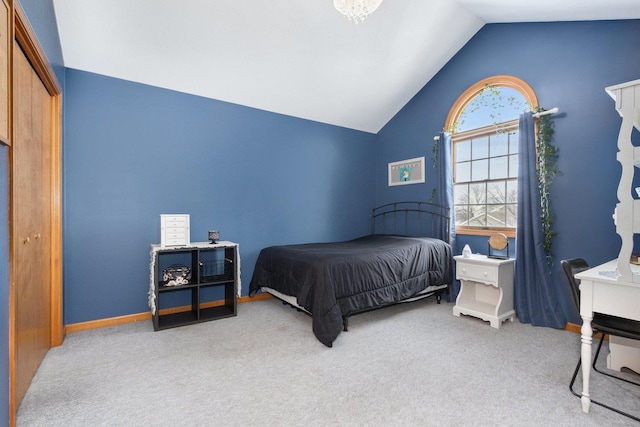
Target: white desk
(600, 292)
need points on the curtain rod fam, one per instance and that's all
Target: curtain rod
(544, 113)
(554, 110)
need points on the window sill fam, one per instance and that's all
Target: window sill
(485, 231)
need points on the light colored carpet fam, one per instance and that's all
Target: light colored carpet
(412, 364)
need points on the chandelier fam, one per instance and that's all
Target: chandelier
(356, 10)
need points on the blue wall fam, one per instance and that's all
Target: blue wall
(263, 178)
(133, 152)
(41, 17)
(568, 65)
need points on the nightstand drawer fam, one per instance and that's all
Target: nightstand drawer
(478, 273)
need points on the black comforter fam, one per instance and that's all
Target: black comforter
(334, 280)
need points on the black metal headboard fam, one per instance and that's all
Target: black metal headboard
(421, 219)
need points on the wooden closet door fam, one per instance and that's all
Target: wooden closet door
(32, 216)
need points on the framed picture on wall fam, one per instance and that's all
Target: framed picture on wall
(405, 172)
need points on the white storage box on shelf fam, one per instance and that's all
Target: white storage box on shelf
(175, 230)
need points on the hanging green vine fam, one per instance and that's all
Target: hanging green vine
(547, 170)
(434, 161)
(493, 99)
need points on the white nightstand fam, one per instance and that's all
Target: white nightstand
(487, 288)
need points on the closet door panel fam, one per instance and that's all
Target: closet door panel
(32, 221)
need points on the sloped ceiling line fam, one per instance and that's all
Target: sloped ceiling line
(299, 58)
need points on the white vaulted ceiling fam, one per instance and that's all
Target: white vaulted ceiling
(294, 57)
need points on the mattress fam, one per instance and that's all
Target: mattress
(334, 280)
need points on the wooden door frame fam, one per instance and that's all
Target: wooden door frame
(26, 39)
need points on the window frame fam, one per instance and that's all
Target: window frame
(452, 119)
(469, 136)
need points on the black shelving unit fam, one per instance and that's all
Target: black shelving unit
(212, 285)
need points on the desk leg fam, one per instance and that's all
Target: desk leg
(585, 357)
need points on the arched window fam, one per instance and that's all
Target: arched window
(484, 126)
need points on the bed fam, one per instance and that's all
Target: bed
(332, 281)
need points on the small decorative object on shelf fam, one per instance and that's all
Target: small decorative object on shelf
(175, 230)
(498, 246)
(214, 236)
(466, 251)
(176, 275)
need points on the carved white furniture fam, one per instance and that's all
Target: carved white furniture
(486, 288)
(614, 287)
(627, 213)
(602, 291)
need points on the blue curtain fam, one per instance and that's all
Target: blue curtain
(536, 299)
(444, 197)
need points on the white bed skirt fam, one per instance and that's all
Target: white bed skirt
(294, 302)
